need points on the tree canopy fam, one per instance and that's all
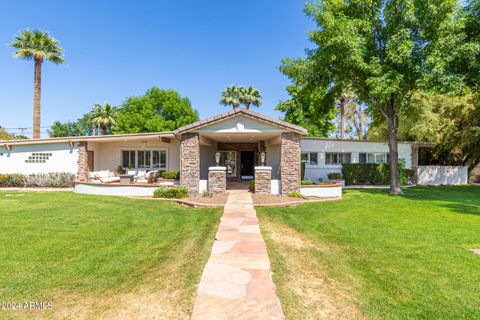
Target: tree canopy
(384, 51)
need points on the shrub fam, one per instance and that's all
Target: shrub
(307, 182)
(251, 185)
(207, 194)
(335, 176)
(176, 192)
(296, 194)
(52, 180)
(12, 180)
(171, 174)
(373, 173)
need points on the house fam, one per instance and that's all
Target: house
(239, 139)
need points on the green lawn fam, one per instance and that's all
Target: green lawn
(375, 256)
(96, 256)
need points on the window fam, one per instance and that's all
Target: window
(128, 159)
(229, 159)
(337, 157)
(309, 157)
(145, 159)
(38, 157)
(373, 157)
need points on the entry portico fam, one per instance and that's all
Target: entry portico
(239, 137)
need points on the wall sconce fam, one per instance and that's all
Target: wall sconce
(217, 158)
(262, 158)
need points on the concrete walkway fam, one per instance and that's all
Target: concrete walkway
(236, 282)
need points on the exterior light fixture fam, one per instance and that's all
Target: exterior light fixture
(262, 158)
(217, 158)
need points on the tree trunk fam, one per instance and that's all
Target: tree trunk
(342, 118)
(247, 105)
(37, 84)
(393, 149)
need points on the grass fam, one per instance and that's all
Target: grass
(101, 257)
(375, 256)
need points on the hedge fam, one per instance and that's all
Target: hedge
(171, 174)
(372, 173)
(176, 192)
(50, 180)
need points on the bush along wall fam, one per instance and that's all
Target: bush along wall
(41, 180)
(373, 173)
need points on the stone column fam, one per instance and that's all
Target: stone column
(263, 180)
(83, 173)
(190, 162)
(217, 179)
(290, 163)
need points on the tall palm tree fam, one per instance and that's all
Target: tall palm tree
(250, 96)
(103, 117)
(231, 96)
(38, 46)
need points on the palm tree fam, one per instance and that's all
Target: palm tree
(231, 96)
(103, 117)
(250, 96)
(39, 46)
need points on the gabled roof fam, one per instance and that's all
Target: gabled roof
(237, 112)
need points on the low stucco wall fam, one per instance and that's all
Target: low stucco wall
(334, 191)
(115, 190)
(442, 175)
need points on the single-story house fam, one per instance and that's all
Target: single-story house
(240, 139)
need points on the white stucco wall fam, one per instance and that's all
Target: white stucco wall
(207, 159)
(64, 159)
(442, 175)
(321, 170)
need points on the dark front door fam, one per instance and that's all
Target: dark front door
(247, 159)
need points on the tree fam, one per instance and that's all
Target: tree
(156, 110)
(385, 51)
(80, 127)
(39, 46)
(309, 106)
(103, 118)
(250, 96)
(4, 135)
(471, 67)
(355, 119)
(231, 97)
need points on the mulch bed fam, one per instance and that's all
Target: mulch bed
(216, 199)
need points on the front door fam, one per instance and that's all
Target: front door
(247, 160)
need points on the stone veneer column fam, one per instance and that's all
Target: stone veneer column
(217, 179)
(290, 162)
(190, 162)
(83, 173)
(263, 180)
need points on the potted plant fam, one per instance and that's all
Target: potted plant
(336, 177)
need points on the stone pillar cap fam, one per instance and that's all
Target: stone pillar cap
(217, 168)
(263, 168)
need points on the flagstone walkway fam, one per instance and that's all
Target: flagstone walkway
(236, 282)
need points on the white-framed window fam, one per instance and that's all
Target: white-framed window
(337, 157)
(373, 157)
(229, 159)
(144, 159)
(310, 158)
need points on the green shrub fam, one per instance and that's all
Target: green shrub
(373, 173)
(251, 185)
(13, 180)
(296, 194)
(51, 180)
(335, 176)
(175, 192)
(207, 194)
(171, 174)
(307, 182)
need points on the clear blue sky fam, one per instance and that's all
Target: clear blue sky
(117, 49)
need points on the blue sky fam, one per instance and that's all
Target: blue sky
(122, 48)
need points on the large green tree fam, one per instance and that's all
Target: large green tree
(385, 51)
(472, 64)
(103, 118)
(250, 96)
(4, 135)
(79, 127)
(38, 46)
(231, 96)
(156, 110)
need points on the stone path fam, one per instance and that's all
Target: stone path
(236, 282)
